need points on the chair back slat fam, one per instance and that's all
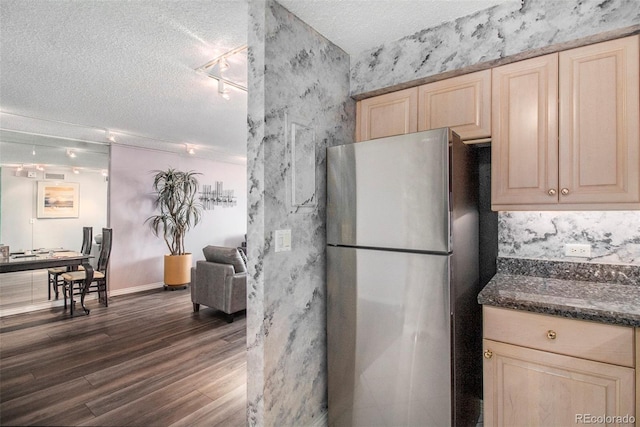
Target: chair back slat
(105, 250)
(87, 240)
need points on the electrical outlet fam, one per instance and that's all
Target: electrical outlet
(577, 250)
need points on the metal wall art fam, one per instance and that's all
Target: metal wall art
(217, 196)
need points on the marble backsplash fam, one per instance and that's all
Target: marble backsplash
(614, 236)
(488, 35)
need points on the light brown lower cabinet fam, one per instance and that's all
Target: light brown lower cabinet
(523, 386)
(538, 387)
(637, 373)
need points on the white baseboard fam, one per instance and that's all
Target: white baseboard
(135, 289)
(31, 307)
(44, 305)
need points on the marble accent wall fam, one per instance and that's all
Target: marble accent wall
(614, 236)
(487, 35)
(295, 75)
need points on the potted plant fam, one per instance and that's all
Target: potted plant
(175, 197)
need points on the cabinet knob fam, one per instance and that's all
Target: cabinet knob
(552, 192)
(551, 334)
(488, 354)
(564, 191)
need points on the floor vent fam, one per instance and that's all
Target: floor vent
(57, 176)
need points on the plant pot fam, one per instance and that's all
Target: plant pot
(177, 270)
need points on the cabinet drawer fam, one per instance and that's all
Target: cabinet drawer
(579, 338)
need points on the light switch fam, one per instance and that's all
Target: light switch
(283, 240)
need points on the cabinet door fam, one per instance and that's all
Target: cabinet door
(637, 371)
(524, 147)
(531, 387)
(599, 121)
(394, 113)
(462, 103)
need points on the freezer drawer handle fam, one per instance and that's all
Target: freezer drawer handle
(551, 334)
(488, 354)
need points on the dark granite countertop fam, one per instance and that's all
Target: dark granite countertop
(587, 297)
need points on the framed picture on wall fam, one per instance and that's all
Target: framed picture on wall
(58, 199)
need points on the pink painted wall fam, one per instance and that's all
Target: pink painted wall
(137, 255)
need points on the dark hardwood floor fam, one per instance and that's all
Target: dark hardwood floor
(146, 360)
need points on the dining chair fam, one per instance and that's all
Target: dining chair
(74, 281)
(55, 273)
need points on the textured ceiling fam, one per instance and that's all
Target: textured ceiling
(128, 66)
(359, 25)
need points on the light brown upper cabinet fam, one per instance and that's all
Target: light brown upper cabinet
(462, 103)
(599, 123)
(394, 113)
(524, 147)
(585, 154)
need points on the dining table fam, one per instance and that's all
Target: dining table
(49, 258)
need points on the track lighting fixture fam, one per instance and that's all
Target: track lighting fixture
(222, 91)
(215, 67)
(71, 154)
(109, 136)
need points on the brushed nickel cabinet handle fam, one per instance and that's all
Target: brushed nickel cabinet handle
(488, 354)
(552, 192)
(551, 334)
(564, 191)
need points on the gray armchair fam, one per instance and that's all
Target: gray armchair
(220, 281)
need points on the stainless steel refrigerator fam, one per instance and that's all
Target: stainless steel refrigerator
(403, 324)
